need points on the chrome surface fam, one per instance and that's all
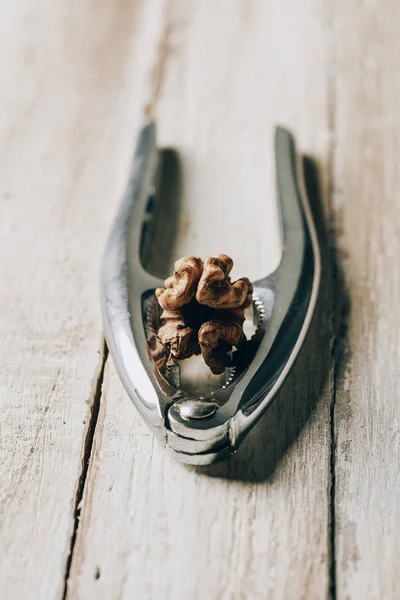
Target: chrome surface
(201, 430)
(197, 409)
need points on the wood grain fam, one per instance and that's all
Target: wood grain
(76, 81)
(257, 526)
(367, 418)
(67, 112)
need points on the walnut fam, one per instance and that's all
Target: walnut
(181, 287)
(215, 288)
(203, 311)
(177, 335)
(216, 338)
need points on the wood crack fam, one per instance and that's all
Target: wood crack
(332, 499)
(158, 71)
(336, 322)
(88, 445)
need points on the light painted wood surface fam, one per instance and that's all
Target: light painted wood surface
(366, 198)
(76, 81)
(255, 527)
(68, 79)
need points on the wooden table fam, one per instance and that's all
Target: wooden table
(90, 506)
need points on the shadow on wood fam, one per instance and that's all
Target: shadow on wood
(311, 380)
(162, 256)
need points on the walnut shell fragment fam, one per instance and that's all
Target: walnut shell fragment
(203, 310)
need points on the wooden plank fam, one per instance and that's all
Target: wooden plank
(367, 418)
(257, 526)
(68, 98)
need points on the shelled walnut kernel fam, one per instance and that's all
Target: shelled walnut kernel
(203, 311)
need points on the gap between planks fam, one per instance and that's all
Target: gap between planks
(87, 452)
(336, 321)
